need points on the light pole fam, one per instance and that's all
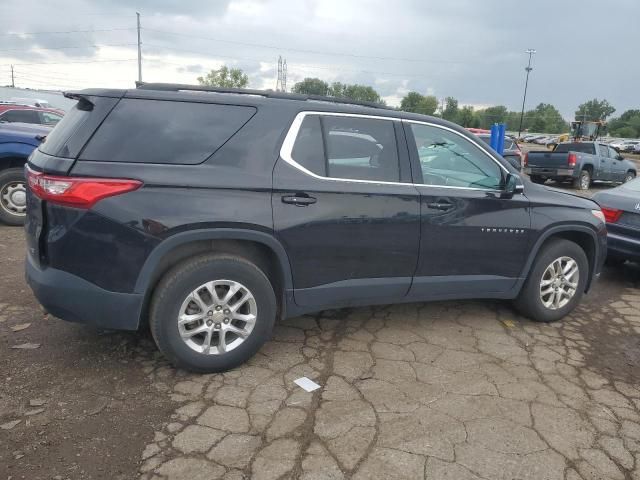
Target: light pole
(530, 51)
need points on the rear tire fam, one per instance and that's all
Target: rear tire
(583, 181)
(177, 291)
(532, 298)
(13, 196)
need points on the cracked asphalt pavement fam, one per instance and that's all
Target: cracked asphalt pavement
(447, 390)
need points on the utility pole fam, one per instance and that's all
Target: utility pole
(139, 50)
(13, 81)
(530, 51)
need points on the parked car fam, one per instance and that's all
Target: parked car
(34, 102)
(511, 152)
(626, 146)
(636, 148)
(621, 209)
(580, 162)
(10, 112)
(17, 141)
(252, 205)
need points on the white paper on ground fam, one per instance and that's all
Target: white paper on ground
(307, 384)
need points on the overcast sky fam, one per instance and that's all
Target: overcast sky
(470, 49)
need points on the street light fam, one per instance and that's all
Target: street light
(530, 51)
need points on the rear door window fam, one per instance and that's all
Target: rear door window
(361, 149)
(165, 132)
(603, 151)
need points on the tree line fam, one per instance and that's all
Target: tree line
(544, 118)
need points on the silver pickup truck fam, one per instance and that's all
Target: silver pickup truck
(581, 163)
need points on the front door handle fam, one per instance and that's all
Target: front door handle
(440, 206)
(299, 199)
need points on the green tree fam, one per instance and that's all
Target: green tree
(594, 110)
(467, 117)
(311, 86)
(627, 125)
(491, 115)
(225, 77)
(546, 119)
(450, 111)
(625, 132)
(416, 103)
(359, 93)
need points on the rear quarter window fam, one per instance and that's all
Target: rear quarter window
(165, 132)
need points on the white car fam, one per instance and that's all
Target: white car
(636, 148)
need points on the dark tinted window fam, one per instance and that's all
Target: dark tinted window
(50, 118)
(156, 131)
(64, 129)
(361, 148)
(575, 147)
(308, 150)
(448, 159)
(25, 116)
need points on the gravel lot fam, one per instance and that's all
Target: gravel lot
(459, 390)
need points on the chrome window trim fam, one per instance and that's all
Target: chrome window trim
(292, 134)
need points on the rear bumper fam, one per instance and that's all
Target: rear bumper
(550, 172)
(623, 247)
(72, 298)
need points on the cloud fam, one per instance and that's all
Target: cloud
(470, 50)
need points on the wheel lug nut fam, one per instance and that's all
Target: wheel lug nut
(226, 320)
(209, 323)
(217, 326)
(218, 307)
(209, 313)
(227, 311)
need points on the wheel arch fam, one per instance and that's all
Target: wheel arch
(584, 236)
(260, 247)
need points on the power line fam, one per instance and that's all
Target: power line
(69, 31)
(68, 47)
(314, 52)
(72, 62)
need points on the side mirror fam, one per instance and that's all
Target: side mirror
(512, 186)
(619, 157)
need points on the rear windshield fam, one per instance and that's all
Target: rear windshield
(158, 131)
(72, 120)
(575, 147)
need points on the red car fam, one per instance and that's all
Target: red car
(14, 112)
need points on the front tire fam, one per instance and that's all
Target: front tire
(212, 312)
(630, 175)
(556, 282)
(13, 196)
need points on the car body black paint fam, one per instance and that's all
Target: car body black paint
(358, 243)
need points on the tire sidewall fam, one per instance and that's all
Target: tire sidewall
(164, 314)
(8, 176)
(532, 288)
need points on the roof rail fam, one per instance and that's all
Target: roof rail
(176, 87)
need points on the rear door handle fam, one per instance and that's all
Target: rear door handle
(440, 206)
(300, 199)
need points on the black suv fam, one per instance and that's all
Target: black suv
(213, 212)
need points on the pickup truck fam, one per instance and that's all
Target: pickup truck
(581, 163)
(17, 141)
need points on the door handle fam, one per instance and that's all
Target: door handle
(299, 199)
(440, 206)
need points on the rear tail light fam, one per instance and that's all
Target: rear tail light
(525, 160)
(571, 159)
(611, 215)
(77, 192)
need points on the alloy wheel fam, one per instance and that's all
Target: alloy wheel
(559, 283)
(217, 317)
